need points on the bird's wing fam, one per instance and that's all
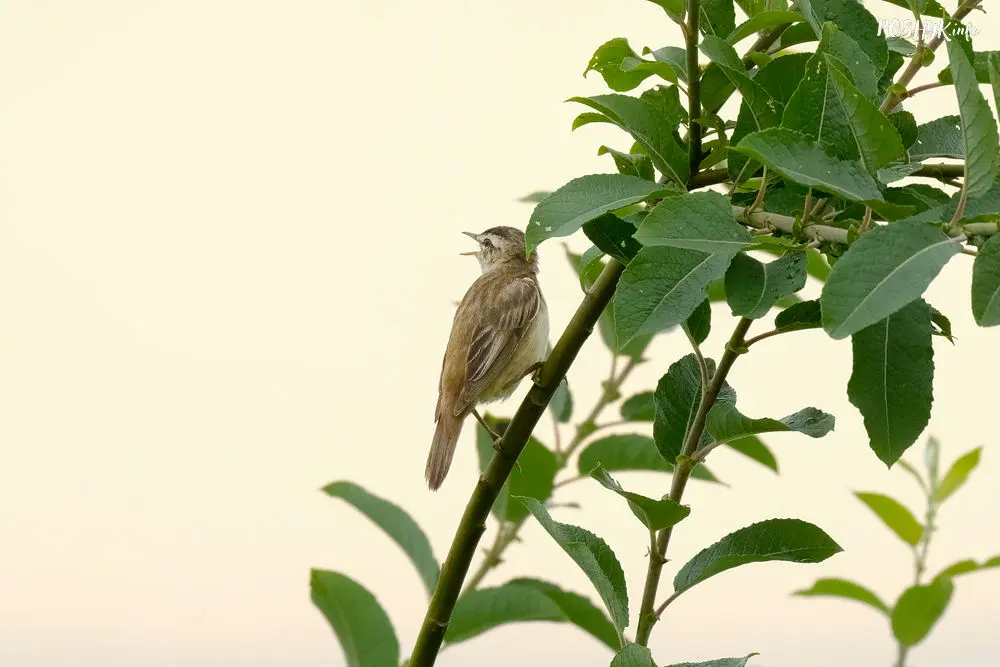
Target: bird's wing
(501, 327)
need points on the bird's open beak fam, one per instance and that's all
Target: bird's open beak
(474, 237)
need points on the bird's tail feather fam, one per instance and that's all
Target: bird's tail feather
(449, 427)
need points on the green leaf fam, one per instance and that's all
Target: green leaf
(483, 609)
(594, 557)
(884, 270)
(781, 77)
(701, 221)
(649, 126)
(607, 61)
(918, 609)
(719, 662)
(630, 452)
(633, 655)
(980, 64)
(361, 625)
(979, 129)
(725, 423)
(805, 315)
(892, 379)
(801, 33)
(794, 156)
(941, 137)
(673, 56)
(894, 515)
(957, 474)
(718, 17)
(966, 566)
(654, 514)
(919, 195)
(396, 523)
(677, 396)
(926, 7)
(561, 404)
(661, 287)
(766, 112)
(533, 476)
(699, 324)
(909, 469)
(631, 164)
(775, 539)
(854, 21)
(582, 200)
(535, 197)
(633, 349)
(752, 287)
(639, 408)
(752, 447)
(577, 609)
(830, 109)
(613, 236)
(906, 125)
(762, 21)
(842, 588)
(589, 266)
(778, 78)
(986, 284)
(622, 452)
(673, 8)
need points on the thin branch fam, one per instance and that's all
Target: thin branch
(766, 220)
(942, 171)
(568, 480)
(682, 471)
(759, 199)
(916, 60)
(806, 206)
(962, 198)
(666, 603)
(919, 89)
(866, 220)
(763, 336)
(556, 435)
(492, 558)
(708, 177)
(473, 522)
(702, 364)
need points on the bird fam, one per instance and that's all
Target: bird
(499, 336)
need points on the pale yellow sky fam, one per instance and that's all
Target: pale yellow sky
(228, 256)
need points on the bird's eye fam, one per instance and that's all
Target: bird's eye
(487, 243)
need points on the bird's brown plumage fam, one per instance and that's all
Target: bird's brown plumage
(499, 333)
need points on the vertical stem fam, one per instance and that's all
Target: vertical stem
(694, 87)
(647, 612)
(473, 522)
(920, 557)
(507, 533)
(916, 60)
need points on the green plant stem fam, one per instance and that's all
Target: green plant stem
(685, 464)
(694, 87)
(916, 60)
(507, 534)
(473, 522)
(920, 559)
(939, 170)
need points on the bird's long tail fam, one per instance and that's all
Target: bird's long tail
(449, 427)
